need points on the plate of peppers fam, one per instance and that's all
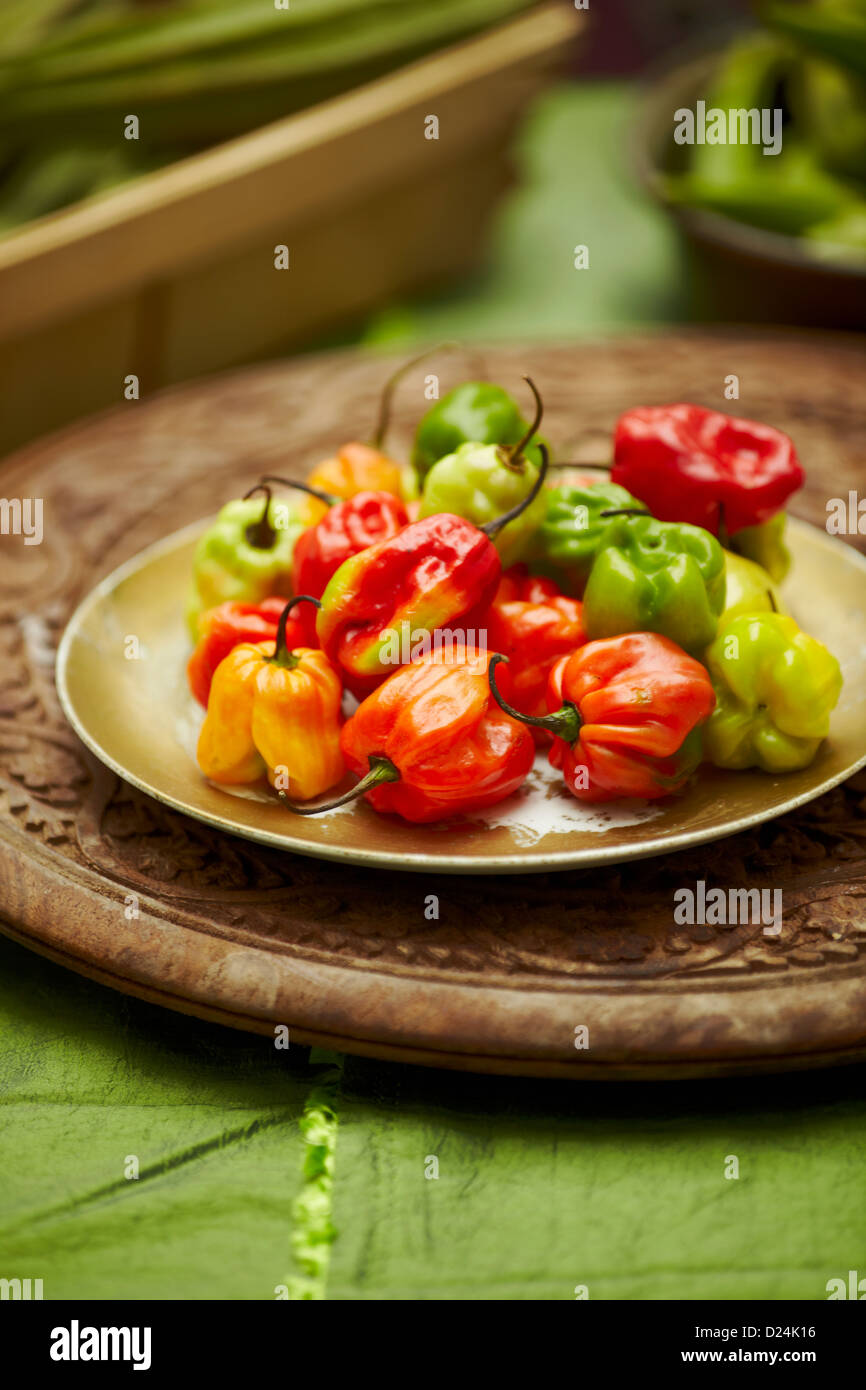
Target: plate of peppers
(481, 658)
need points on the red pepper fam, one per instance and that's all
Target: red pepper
(533, 623)
(348, 528)
(625, 712)
(701, 466)
(438, 574)
(224, 628)
(430, 743)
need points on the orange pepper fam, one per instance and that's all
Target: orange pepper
(357, 468)
(276, 712)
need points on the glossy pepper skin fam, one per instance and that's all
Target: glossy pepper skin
(348, 528)
(225, 627)
(476, 412)
(449, 747)
(765, 545)
(245, 555)
(533, 625)
(479, 482)
(441, 572)
(748, 589)
(274, 711)
(573, 529)
(704, 467)
(355, 468)
(775, 689)
(626, 714)
(656, 576)
(436, 576)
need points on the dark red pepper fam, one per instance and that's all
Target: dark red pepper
(701, 466)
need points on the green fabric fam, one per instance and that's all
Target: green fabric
(251, 1158)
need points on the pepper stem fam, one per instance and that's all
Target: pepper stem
(625, 511)
(381, 770)
(774, 607)
(492, 528)
(391, 385)
(590, 467)
(564, 723)
(328, 498)
(515, 450)
(261, 533)
(724, 538)
(281, 656)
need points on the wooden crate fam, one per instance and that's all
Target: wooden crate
(173, 275)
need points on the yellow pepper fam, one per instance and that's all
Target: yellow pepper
(748, 588)
(276, 712)
(775, 688)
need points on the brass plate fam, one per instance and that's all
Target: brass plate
(137, 717)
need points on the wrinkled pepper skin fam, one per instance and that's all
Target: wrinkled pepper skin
(441, 572)
(656, 576)
(480, 482)
(765, 545)
(690, 464)
(265, 715)
(476, 412)
(357, 468)
(454, 749)
(229, 565)
(223, 628)
(641, 701)
(748, 589)
(348, 528)
(573, 530)
(775, 689)
(534, 625)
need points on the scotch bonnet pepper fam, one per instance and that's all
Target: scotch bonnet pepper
(625, 714)
(656, 576)
(276, 712)
(476, 412)
(431, 743)
(479, 481)
(575, 525)
(687, 463)
(245, 555)
(223, 628)
(532, 624)
(775, 689)
(437, 573)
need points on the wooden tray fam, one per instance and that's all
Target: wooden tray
(345, 956)
(172, 275)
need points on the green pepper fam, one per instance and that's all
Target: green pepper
(573, 530)
(656, 576)
(748, 588)
(246, 555)
(476, 412)
(765, 545)
(479, 482)
(775, 687)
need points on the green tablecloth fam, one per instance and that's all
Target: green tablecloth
(249, 1158)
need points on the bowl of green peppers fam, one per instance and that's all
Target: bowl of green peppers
(772, 208)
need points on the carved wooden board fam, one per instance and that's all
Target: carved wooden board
(344, 956)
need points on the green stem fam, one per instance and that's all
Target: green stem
(724, 538)
(281, 656)
(393, 382)
(625, 511)
(516, 450)
(492, 528)
(381, 770)
(564, 723)
(261, 534)
(325, 497)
